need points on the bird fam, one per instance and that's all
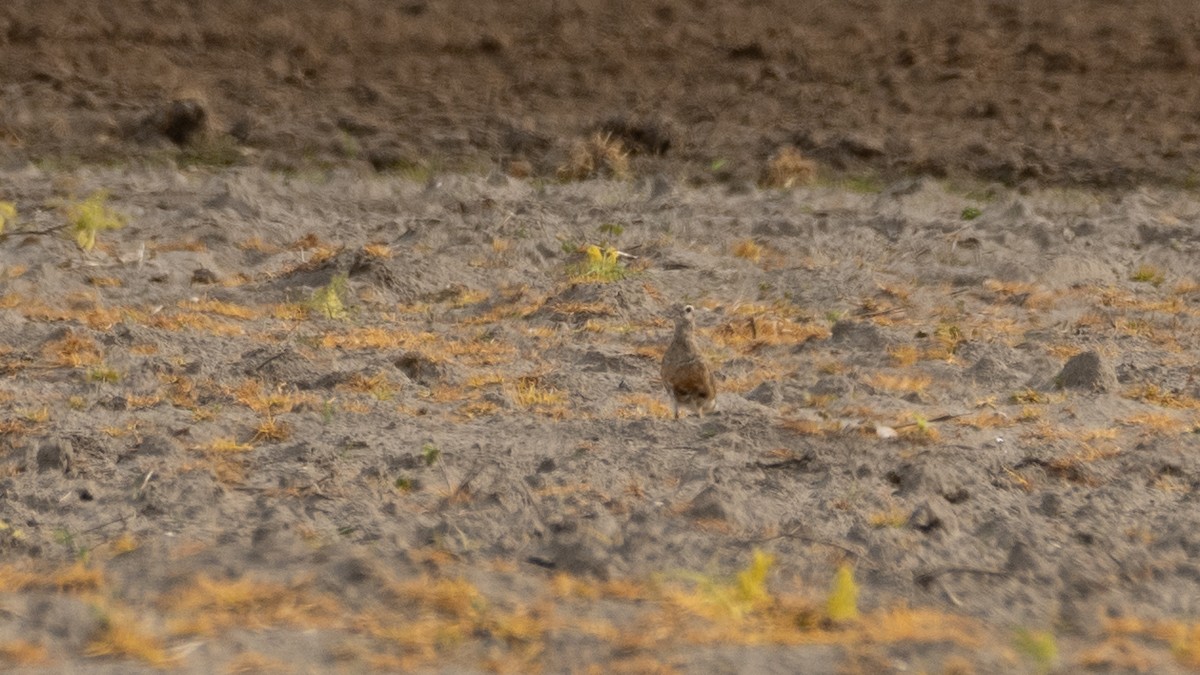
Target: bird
(685, 374)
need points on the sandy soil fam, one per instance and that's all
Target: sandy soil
(345, 392)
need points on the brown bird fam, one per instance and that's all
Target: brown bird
(686, 376)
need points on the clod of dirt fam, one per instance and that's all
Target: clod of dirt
(276, 365)
(184, 120)
(584, 546)
(608, 361)
(714, 503)
(203, 275)
(55, 454)
(157, 445)
(519, 168)
(1021, 558)
(864, 337)
(420, 368)
(390, 157)
(931, 516)
(71, 620)
(580, 302)
(993, 372)
(639, 136)
(1087, 371)
(767, 393)
(660, 187)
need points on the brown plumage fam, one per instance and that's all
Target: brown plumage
(685, 375)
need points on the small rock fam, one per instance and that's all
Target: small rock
(767, 393)
(861, 336)
(584, 546)
(711, 504)
(157, 445)
(930, 516)
(1021, 558)
(1051, 505)
(73, 622)
(184, 120)
(832, 385)
(519, 168)
(988, 370)
(885, 432)
(203, 275)
(55, 455)
(419, 368)
(1087, 371)
(660, 187)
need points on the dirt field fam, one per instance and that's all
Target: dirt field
(345, 390)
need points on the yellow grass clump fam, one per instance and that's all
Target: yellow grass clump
(90, 217)
(900, 383)
(73, 350)
(600, 265)
(208, 606)
(748, 249)
(842, 604)
(23, 653)
(787, 168)
(8, 214)
(124, 635)
(599, 155)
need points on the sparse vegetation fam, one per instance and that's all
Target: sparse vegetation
(172, 392)
(1148, 274)
(748, 250)
(1039, 646)
(90, 217)
(600, 156)
(8, 214)
(842, 604)
(327, 301)
(787, 168)
(599, 266)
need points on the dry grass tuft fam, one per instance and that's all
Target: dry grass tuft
(253, 662)
(73, 350)
(378, 250)
(904, 355)
(894, 516)
(900, 383)
(123, 635)
(23, 653)
(638, 406)
(75, 578)
(601, 155)
(766, 328)
(986, 419)
(219, 308)
(748, 249)
(1156, 423)
(1156, 395)
(530, 392)
(787, 168)
(209, 606)
(810, 427)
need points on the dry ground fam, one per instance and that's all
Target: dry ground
(361, 421)
(346, 391)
